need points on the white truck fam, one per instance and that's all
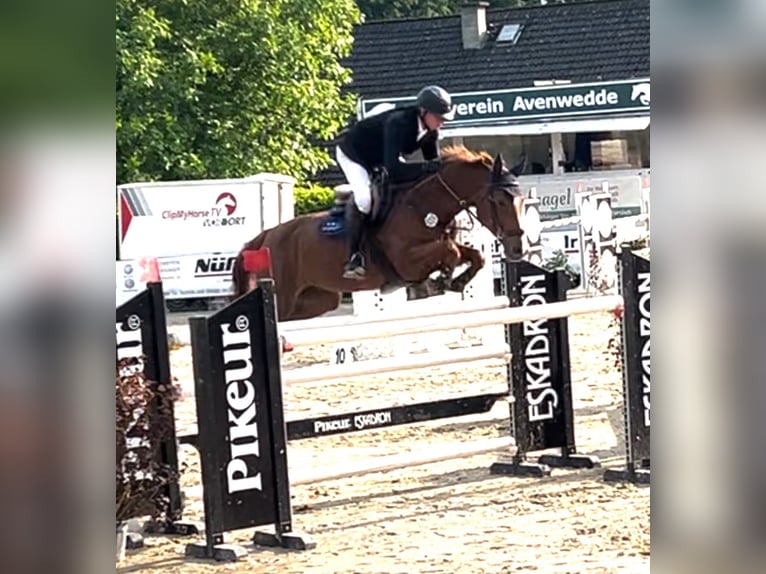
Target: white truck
(194, 229)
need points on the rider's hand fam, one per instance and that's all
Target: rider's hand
(431, 167)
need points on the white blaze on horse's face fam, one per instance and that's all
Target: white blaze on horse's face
(518, 204)
(518, 201)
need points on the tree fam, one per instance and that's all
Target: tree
(388, 9)
(229, 88)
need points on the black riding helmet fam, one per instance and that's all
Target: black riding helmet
(436, 100)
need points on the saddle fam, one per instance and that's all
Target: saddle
(382, 196)
(382, 203)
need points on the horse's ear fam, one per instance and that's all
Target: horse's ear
(518, 169)
(497, 166)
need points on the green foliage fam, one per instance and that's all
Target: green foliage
(312, 199)
(559, 261)
(229, 88)
(556, 261)
(387, 9)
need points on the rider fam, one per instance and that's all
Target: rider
(380, 141)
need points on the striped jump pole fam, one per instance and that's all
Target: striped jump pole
(324, 373)
(361, 331)
(290, 327)
(406, 460)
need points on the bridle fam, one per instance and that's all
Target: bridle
(490, 190)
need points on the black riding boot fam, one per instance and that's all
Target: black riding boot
(355, 222)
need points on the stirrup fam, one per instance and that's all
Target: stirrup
(354, 268)
(358, 273)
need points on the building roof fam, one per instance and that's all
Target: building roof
(601, 40)
(582, 42)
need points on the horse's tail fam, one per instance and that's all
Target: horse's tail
(240, 282)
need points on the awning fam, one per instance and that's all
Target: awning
(568, 126)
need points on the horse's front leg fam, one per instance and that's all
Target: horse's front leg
(426, 259)
(475, 261)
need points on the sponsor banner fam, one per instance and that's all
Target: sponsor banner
(182, 218)
(540, 362)
(630, 197)
(188, 276)
(563, 101)
(557, 193)
(236, 433)
(636, 289)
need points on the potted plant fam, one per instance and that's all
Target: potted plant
(143, 421)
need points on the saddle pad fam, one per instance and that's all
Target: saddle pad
(332, 225)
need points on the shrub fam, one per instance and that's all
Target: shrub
(313, 198)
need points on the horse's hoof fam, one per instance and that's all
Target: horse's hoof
(456, 287)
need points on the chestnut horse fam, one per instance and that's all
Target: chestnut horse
(411, 243)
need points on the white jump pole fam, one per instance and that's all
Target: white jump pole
(326, 322)
(321, 373)
(361, 331)
(406, 460)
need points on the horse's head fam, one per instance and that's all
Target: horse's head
(500, 208)
(495, 191)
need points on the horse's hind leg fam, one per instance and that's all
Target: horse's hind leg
(475, 262)
(287, 295)
(313, 301)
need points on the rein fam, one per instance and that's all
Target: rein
(464, 204)
(461, 202)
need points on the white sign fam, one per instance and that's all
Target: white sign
(183, 277)
(557, 193)
(566, 240)
(194, 230)
(183, 218)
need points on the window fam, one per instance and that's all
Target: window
(602, 151)
(536, 148)
(509, 33)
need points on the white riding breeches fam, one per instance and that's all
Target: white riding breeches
(358, 179)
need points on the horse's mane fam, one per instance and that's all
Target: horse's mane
(461, 153)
